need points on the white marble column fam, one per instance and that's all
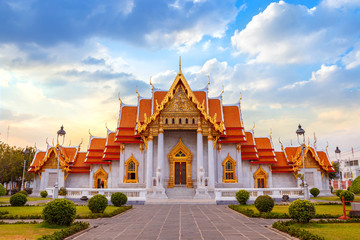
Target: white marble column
(211, 163)
(149, 161)
(239, 163)
(122, 163)
(270, 177)
(160, 162)
(109, 181)
(91, 177)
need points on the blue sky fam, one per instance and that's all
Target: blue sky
(64, 62)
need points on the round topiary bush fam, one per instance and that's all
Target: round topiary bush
(29, 190)
(118, 199)
(18, 199)
(348, 196)
(43, 194)
(338, 192)
(97, 203)
(242, 196)
(355, 185)
(315, 192)
(302, 211)
(2, 190)
(59, 212)
(23, 192)
(62, 191)
(264, 203)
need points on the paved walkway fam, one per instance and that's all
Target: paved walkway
(180, 222)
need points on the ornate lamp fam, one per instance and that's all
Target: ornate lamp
(301, 133)
(61, 133)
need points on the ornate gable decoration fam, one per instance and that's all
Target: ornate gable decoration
(181, 82)
(311, 160)
(180, 103)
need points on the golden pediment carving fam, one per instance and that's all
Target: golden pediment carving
(180, 103)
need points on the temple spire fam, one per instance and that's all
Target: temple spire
(179, 64)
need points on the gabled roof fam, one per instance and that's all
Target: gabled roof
(112, 148)
(159, 106)
(96, 150)
(265, 151)
(248, 148)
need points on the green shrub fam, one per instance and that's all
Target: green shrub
(302, 211)
(242, 196)
(118, 199)
(18, 199)
(348, 196)
(62, 191)
(2, 190)
(62, 234)
(59, 212)
(43, 194)
(315, 192)
(264, 203)
(331, 189)
(97, 203)
(23, 192)
(355, 185)
(338, 192)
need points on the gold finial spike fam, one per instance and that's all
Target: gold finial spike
(207, 85)
(270, 132)
(253, 128)
(89, 132)
(106, 126)
(152, 87)
(70, 143)
(308, 141)
(35, 146)
(179, 64)
(282, 147)
(119, 98)
(137, 92)
(327, 145)
(223, 90)
(240, 98)
(47, 142)
(81, 143)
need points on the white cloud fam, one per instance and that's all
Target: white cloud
(284, 33)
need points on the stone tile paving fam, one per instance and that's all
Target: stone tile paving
(180, 222)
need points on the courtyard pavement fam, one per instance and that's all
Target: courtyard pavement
(180, 222)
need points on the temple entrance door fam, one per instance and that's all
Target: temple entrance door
(180, 173)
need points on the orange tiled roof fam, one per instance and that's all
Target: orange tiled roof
(323, 156)
(234, 129)
(96, 151)
(265, 150)
(112, 148)
(39, 155)
(158, 96)
(145, 107)
(248, 148)
(79, 165)
(69, 152)
(215, 107)
(282, 165)
(126, 131)
(201, 97)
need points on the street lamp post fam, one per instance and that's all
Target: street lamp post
(60, 133)
(301, 132)
(338, 156)
(26, 152)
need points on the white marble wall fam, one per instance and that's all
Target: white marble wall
(77, 180)
(284, 180)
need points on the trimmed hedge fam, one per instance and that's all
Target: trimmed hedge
(59, 212)
(315, 192)
(74, 228)
(242, 196)
(264, 203)
(18, 199)
(23, 192)
(118, 199)
(97, 203)
(302, 210)
(355, 186)
(2, 190)
(295, 231)
(44, 194)
(348, 196)
(338, 192)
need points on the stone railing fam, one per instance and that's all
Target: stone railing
(133, 194)
(228, 194)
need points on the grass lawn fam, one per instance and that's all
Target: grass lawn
(334, 231)
(320, 209)
(27, 231)
(6, 200)
(36, 210)
(335, 198)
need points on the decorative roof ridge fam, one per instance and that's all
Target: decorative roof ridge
(37, 151)
(190, 95)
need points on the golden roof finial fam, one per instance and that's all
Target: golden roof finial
(47, 142)
(119, 98)
(179, 64)
(138, 95)
(207, 85)
(80, 143)
(253, 128)
(291, 142)
(270, 132)
(35, 146)
(240, 98)
(282, 147)
(223, 90)
(327, 145)
(90, 133)
(152, 87)
(106, 126)
(308, 141)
